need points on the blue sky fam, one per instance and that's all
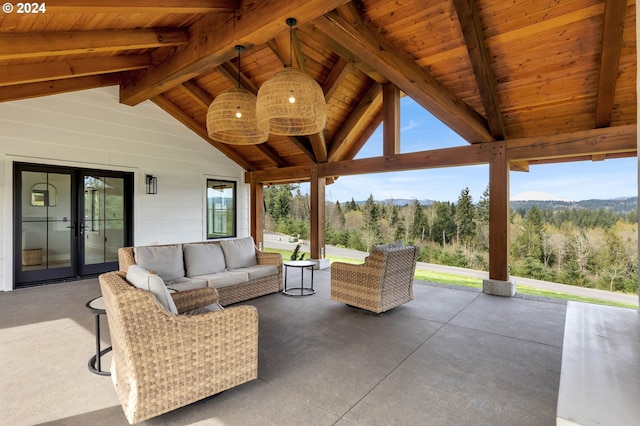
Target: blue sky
(420, 131)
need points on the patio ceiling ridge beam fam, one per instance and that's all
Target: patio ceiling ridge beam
(400, 69)
(142, 6)
(34, 45)
(213, 39)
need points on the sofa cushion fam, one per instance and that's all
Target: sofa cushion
(165, 261)
(204, 309)
(182, 284)
(259, 271)
(383, 247)
(226, 279)
(239, 252)
(143, 279)
(202, 259)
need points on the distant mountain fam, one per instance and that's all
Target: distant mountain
(621, 205)
(536, 196)
(399, 201)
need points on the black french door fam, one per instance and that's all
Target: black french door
(69, 222)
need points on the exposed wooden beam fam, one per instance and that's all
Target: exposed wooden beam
(46, 88)
(390, 120)
(33, 45)
(319, 146)
(599, 157)
(363, 133)
(230, 71)
(618, 139)
(612, 31)
(281, 46)
(212, 42)
(400, 69)
(142, 6)
(338, 72)
(195, 92)
(201, 131)
(33, 73)
(446, 157)
(519, 166)
(469, 19)
(272, 155)
(340, 143)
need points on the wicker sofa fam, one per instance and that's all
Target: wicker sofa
(234, 267)
(382, 282)
(163, 361)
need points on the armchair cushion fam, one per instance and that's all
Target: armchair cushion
(239, 253)
(165, 261)
(141, 278)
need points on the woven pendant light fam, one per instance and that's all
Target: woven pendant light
(291, 103)
(231, 117)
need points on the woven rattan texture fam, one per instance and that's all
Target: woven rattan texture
(164, 361)
(235, 293)
(382, 282)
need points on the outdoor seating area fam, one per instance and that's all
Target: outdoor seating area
(450, 356)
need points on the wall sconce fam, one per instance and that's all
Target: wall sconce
(152, 184)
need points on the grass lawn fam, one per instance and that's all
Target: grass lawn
(444, 278)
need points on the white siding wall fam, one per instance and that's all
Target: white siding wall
(91, 129)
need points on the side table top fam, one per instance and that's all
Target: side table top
(96, 305)
(300, 263)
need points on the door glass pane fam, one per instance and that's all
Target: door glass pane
(47, 228)
(103, 218)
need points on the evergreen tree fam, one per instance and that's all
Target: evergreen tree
(418, 225)
(465, 217)
(482, 210)
(444, 227)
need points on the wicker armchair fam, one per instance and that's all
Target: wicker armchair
(384, 281)
(163, 361)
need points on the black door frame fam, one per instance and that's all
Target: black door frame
(77, 269)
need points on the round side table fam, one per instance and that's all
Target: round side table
(302, 290)
(96, 307)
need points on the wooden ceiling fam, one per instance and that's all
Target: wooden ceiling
(554, 79)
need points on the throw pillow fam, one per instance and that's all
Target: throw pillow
(203, 259)
(239, 253)
(166, 261)
(141, 278)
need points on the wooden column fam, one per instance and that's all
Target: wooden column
(257, 213)
(317, 213)
(390, 119)
(498, 213)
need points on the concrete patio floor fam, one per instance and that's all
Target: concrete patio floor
(450, 357)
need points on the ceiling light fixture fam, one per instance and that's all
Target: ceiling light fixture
(291, 103)
(231, 117)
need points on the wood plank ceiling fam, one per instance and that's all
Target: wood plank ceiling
(555, 79)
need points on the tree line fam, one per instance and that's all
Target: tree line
(583, 247)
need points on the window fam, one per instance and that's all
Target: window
(221, 208)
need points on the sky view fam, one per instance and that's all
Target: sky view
(581, 180)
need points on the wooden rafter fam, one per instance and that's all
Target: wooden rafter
(402, 70)
(230, 72)
(612, 31)
(337, 74)
(46, 88)
(467, 12)
(212, 43)
(33, 45)
(201, 131)
(142, 6)
(195, 92)
(32, 73)
(340, 143)
(390, 120)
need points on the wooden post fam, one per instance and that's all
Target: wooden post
(390, 120)
(257, 213)
(498, 213)
(317, 214)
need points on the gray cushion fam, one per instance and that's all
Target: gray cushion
(165, 261)
(259, 271)
(202, 259)
(239, 253)
(182, 284)
(141, 278)
(204, 309)
(383, 247)
(226, 279)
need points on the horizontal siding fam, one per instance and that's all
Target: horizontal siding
(92, 129)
